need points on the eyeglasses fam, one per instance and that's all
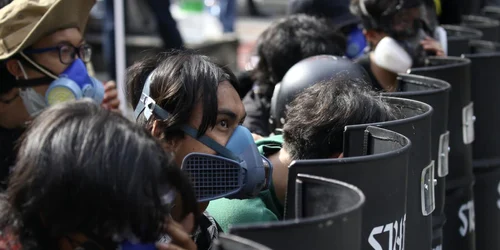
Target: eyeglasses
(67, 52)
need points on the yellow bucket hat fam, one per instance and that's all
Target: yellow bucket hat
(24, 22)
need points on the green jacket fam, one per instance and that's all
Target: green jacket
(266, 207)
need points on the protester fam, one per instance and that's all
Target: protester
(284, 43)
(192, 106)
(395, 32)
(40, 40)
(88, 178)
(338, 17)
(313, 130)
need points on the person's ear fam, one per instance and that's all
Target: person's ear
(15, 69)
(157, 133)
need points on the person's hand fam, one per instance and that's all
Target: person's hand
(432, 45)
(111, 100)
(179, 233)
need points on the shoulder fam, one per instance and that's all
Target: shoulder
(231, 212)
(270, 145)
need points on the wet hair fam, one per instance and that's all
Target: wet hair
(291, 39)
(179, 81)
(84, 169)
(316, 118)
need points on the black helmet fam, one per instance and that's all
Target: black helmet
(305, 74)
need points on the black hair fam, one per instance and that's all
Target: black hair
(84, 169)
(316, 118)
(291, 39)
(7, 80)
(180, 80)
(4, 3)
(380, 11)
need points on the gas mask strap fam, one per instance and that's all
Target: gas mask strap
(141, 106)
(37, 66)
(209, 142)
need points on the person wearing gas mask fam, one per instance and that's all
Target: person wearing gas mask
(42, 62)
(279, 47)
(397, 38)
(192, 105)
(88, 178)
(339, 17)
(314, 127)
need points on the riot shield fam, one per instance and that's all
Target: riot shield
(489, 27)
(331, 218)
(456, 71)
(459, 37)
(460, 230)
(487, 205)
(435, 93)
(485, 58)
(414, 121)
(384, 214)
(233, 242)
(492, 12)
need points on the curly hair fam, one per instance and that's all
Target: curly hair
(316, 118)
(291, 39)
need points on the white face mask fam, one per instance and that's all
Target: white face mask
(391, 56)
(33, 102)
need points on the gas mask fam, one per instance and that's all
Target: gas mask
(401, 51)
(73, 83)
(238, 171)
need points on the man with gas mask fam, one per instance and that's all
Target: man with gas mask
(398, 37)
(43, 60)
(319, 108)
(191, 105)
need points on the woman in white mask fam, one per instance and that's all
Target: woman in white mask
(399, 39)
(43, 61)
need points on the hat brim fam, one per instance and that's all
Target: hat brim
(62, 15)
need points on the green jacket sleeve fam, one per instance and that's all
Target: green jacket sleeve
(234, 212)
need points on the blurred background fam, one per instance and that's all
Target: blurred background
(198, 21)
